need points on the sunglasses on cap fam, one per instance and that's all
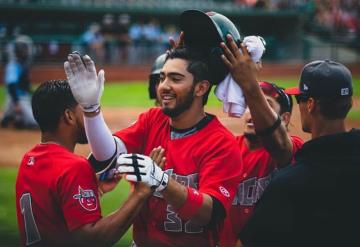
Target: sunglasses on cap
(270, 89)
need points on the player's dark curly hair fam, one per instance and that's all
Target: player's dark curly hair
(197, 66)
(49, 102)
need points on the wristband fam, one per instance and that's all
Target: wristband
(192, 204)
(269, 130)
(95, 108)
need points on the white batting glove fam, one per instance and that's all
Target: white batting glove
(255, 46)
(86, 86)
(141, 168)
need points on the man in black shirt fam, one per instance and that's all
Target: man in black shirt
(315, 202)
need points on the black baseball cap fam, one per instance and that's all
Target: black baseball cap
(324, 79)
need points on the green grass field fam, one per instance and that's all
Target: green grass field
(135, 94)
(115, 95)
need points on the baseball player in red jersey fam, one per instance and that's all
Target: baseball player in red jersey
(203, 164)
(265, 145)
(57, 198)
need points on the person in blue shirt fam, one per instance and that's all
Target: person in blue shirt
(17, 109)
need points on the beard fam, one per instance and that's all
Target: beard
(182, 106)
(251, 137)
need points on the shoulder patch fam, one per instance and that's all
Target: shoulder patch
(31, 161)
(87, 199)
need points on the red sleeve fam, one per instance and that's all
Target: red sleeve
(135, 135)
(221, 171)
(79, 195)
(297, 144)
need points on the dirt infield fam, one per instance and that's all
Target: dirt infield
(14, 143)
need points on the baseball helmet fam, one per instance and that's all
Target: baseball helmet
(204, 32)
(155, 74)
(206, 29)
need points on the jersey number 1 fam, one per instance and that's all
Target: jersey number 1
(31, 230)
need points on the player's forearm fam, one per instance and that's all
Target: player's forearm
(100, 139)
(115, 225)
(262, 114)
(108, 230)
(277, 142)
(176, 195)
(279, 145)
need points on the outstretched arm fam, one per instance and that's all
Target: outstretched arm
(244, 71)
(108, 230)
(87, 88)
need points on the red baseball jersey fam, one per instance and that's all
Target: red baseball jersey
(258, 171)
(207, 160)
(56, 192)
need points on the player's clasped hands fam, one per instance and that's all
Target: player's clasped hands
(86, 86)
(157, 155)
(141, 168)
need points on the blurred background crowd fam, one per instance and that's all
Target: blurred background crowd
(136, 31)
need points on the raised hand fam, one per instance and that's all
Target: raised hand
(141, 168)
(177, 44)
(86, 86)
(239, 62)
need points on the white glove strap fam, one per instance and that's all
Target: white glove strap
(163, 183)
(141, 168)
(91, 108)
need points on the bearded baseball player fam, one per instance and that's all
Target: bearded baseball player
(260, 162)
(57, 199)
(265, 144)
(202, 167)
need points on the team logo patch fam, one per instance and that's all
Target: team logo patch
(87, 199)
(31, 161)
(224, 191)
(345, 91)
(305, 87)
